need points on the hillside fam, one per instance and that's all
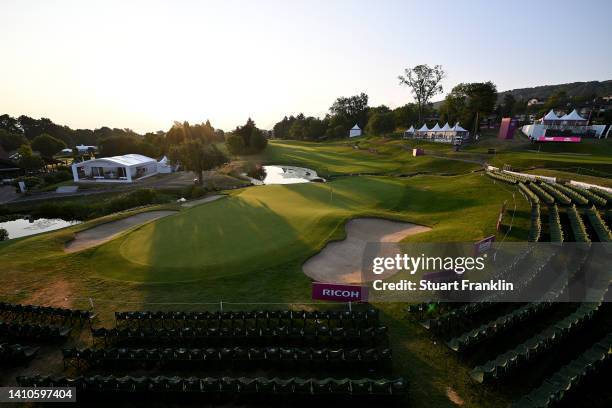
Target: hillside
(599, 88)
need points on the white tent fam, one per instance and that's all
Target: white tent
(573, 115)
(118, 169)
(446, 128)
(355, 131)
(409, 131)
(163, 166)
(424, 128)
(551, 116)
(458, 128)
(436, 128)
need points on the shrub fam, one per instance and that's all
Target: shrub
(3, 234)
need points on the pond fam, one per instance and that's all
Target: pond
(24, 226)
(288, 175)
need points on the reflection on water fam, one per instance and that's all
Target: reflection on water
(24, 227)
(289, 175)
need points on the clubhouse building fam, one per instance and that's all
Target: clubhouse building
(445, 134)
(117, 169)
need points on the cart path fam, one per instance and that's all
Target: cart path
(105, 232)
(341, 261)
(193, 203)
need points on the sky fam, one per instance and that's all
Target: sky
(144, 64)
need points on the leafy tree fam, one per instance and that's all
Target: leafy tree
(253, 139)
(11, 141)
(350, 110)
(406, 115)
(28, 160)
(198, 156)
(507, 107)
(3, 234)
(381, 123)
(424, 81)
(467, 102)
(47, 145)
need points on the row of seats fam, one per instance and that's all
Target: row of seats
(565, 381)
(257, 318)
(225, 385)
(508, 362)
(32, 311)
(250, 336)
(32, 331)
(350, 357)
(16, 353)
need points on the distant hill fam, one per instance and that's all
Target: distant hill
(599, 88)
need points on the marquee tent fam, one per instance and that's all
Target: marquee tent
(117, 169)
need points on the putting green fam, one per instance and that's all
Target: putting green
(261, 227)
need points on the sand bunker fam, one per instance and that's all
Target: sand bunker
(105, 232)
(340, 261)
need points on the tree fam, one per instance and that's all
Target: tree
(258, 140)
(507, 108)
(350, 110)
(11, 141)
(29, 161)
(198, 156)
(3, 234)
(381, 123)
(47, 145)
(467, 102)
(424, 81)
(234, 144)
(252, 139)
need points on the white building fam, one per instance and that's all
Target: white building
(117, 169)
(355, 131)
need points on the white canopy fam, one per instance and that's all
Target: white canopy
(458, 128)
(410, 129)
(572, 116)
(551, 116)
(424, 128)
(164, 160)
(355, 127)
(446, 128)
(436, 127)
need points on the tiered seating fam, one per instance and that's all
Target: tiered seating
(32, 331)
(589, 195)
(530, 194)
(502, 177)
(536, 224)
(226, 336)
(575, 196)
(602, 193)
(11, 311)
(542, 195)
(560, 197)
(228, 387)
(260, 318)
(260, 357)
(16, 353)
(508, 362)
(554, 222)
(578, 229)
(600, 227)
(553, 391)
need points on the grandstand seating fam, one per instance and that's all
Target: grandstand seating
(553, 390)
(32, 331)
(282, 335)
(257, 318)
(14, 312)
(230, 387)
(506, 363)
(16, 353)
(370, 358)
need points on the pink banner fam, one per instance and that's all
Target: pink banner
(571, 139)
(339, 293)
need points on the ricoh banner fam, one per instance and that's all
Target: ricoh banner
(502, 272)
